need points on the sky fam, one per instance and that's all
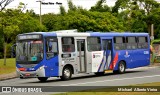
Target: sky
(32, 4)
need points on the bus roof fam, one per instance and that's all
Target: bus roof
(110, 34)
(81, 34)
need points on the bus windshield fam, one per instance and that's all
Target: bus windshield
(29, 50)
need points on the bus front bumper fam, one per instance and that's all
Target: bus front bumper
(38, 73)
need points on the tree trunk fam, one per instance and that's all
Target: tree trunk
(149, 29)
(5, 51)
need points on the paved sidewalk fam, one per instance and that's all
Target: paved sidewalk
(155, 64)
(8, 76)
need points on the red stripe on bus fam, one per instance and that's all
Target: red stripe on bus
(115, 60)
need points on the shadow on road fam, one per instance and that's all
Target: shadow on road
(85, 77)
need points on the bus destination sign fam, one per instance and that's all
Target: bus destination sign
(25, 37)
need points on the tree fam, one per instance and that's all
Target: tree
(8, 30)
(155, 15)
(71, 6)
(14, 21)
(119, 5)
(22, 6)
(1, 37)
(137, 13)
(148, 6)
(62, 10)
(100, 7)
(4, 3)
(49, 20)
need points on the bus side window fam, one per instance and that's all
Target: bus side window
(68, 44)
(119, 43)
(51, 47)
(142, 42)
(131, 42)
(93, 44)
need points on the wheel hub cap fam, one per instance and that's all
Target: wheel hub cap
(121, 67)
(66, 72)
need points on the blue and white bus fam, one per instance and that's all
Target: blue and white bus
(64, 53)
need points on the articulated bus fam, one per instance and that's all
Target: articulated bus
(64, 53)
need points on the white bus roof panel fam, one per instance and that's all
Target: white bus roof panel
(73, 34)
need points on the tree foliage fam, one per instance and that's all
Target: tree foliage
(14, 22)
(100, 7)
(62, 10)
(71, 6)
(125, 15)
(137, 13)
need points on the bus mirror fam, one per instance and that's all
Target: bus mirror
(13, 50)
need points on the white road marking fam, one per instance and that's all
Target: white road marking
(112, 80)
(148, 67)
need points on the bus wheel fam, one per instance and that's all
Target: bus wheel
(21, 77)
(43, 79)
(66, 74)
(115, 71)
(121, 67)
(99, 73)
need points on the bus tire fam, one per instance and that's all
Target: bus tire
(99, 73)
(121, 67)
(115, 71)
(66, 73)
(42, 79)
(21, 77)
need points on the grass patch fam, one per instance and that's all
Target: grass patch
(9, 67)
(109, 93)
(95, 92)
(148, 84)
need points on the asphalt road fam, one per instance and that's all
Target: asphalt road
(131, 77)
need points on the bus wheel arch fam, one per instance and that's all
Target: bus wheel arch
(67, 72)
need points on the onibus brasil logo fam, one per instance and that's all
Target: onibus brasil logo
(21, 89)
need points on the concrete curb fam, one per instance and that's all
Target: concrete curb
(8, 76)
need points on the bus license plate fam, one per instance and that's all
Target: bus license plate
(27, 74)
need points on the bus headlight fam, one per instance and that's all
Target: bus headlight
(41, 67)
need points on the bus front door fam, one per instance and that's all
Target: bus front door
(81, 56)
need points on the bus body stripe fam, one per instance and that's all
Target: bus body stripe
(107, 55)
(115, 60)
(103, 59)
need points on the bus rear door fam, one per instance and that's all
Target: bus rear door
(108, 52)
